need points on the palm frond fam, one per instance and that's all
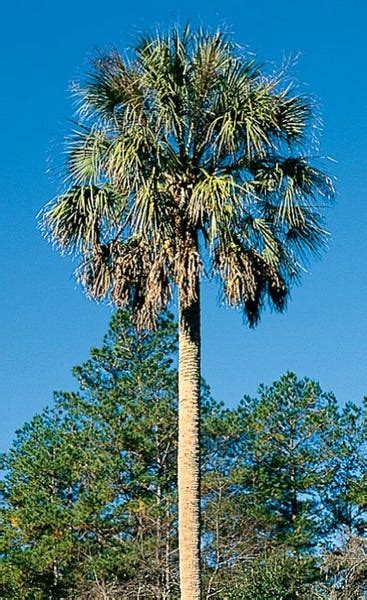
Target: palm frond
(187, 270)
(293, 115)
(77, 218)
(86, 151)
(213, 199)
(248, 279)
(111, 85)
(273, 174)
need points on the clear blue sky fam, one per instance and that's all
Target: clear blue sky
(48, 326)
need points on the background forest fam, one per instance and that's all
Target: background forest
(89, 490)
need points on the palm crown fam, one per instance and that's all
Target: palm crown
(187, 161)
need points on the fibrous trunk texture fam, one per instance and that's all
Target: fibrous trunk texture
(189, 449)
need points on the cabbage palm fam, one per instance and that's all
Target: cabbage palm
(187, 161)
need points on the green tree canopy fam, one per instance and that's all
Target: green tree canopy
(187, 154)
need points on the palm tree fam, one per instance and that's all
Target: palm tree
(187, 161)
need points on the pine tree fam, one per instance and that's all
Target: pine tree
(89, 488)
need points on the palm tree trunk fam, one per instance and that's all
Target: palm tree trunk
(189, 448)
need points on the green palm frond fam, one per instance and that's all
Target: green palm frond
(293, 116)
(131, 158)
(87, 150)
(263, 237)
(307, 235)
(151, 208)
(78, 218)
(274, 173)
(109, 88)
(214, 198)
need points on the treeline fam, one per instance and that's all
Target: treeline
(89, 487)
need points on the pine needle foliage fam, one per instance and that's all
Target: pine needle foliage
(187, 160)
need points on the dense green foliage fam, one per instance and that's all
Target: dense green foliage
(89, 491)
